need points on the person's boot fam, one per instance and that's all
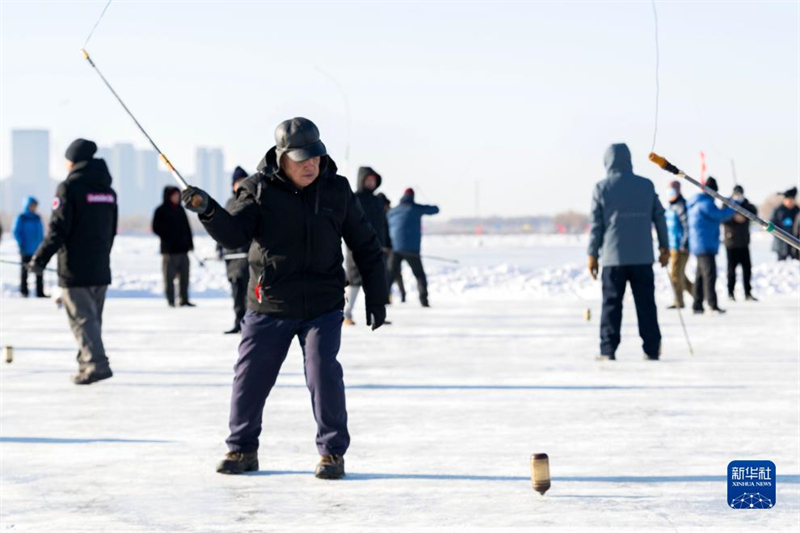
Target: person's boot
(606, 357)
(750, 298)
(93, 376)
(330, 467)
(235, 330)
(718, 311)
(348, 322)
(731, 297)
(238, 463)
(187, 303)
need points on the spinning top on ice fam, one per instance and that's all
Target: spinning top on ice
(8, 353)
(540, 472)
(587, 314)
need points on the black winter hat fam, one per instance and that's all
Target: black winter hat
(81, 150)
(299, 139)
(738, 190)
(711, 183)
(791, 193)
(238, 174)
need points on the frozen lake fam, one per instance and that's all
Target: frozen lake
(446, 406)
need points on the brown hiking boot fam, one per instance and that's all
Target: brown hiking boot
(349, 322)
(87, 378)
(330, 467)
(238, 463)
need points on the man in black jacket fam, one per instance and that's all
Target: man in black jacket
(294, 211)
(374, 212)
(237, 269)
(737, 244)
(784, 217)
(82, 230)
(172, 227)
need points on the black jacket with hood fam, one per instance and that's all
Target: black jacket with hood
(82, 226)
(737, 234)
(172, 226)
(295, 238)
(375, 215)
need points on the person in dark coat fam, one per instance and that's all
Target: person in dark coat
(398, 276)
(82, 230)
(704, 229)
(373, 207)
(625, 208)
(237, 268)
(405, 227)
(678, 229)
(172, 227)
(795, 253)
(736, 238)
(784, 217)
(29, 233)
(295, 210)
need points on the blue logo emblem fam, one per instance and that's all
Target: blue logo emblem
(751, 484)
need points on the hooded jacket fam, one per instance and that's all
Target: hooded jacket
(295, 238)
(28, 229)
(625, 207)
(405, 224)
(737, 234)
(82, 226)
(375, 216)
(784, 218)
(704, 222)
(172, 226)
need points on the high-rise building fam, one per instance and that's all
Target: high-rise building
(30, 170)
(210, 172)
(148, 189)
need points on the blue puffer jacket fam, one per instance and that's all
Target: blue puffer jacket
(28, 229)
(704, 221)
(678, 225)
(405, 224)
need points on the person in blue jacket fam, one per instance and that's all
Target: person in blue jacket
(405, 230)
(29, 233)
(704, 231)
(678, 228)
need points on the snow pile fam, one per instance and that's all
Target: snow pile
(507, 267)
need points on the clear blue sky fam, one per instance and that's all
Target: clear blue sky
(521, 97)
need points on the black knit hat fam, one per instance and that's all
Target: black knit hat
(81, 150)
(791, 193)
(711, 183)
(238, 174)
(738, 189)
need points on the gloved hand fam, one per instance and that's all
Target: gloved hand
(376, 316)
(34, 267)
(664, 257)
(594, 267)
(195, 200)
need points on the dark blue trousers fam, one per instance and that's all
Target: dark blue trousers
(642, 282)
(265, 343)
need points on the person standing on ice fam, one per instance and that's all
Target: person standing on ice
(295, 211)
(237, 269)
(82, 230)
(172, 227)
(678, 228)
(784, 217)
(704, 223)
(372, 205)
(405, 227)
(625, 207)
(29, 233)
(737, 245)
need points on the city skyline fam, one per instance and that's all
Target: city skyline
(138, 175)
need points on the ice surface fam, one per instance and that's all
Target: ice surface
(446, 406)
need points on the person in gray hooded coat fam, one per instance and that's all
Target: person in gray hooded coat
(625, 207)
